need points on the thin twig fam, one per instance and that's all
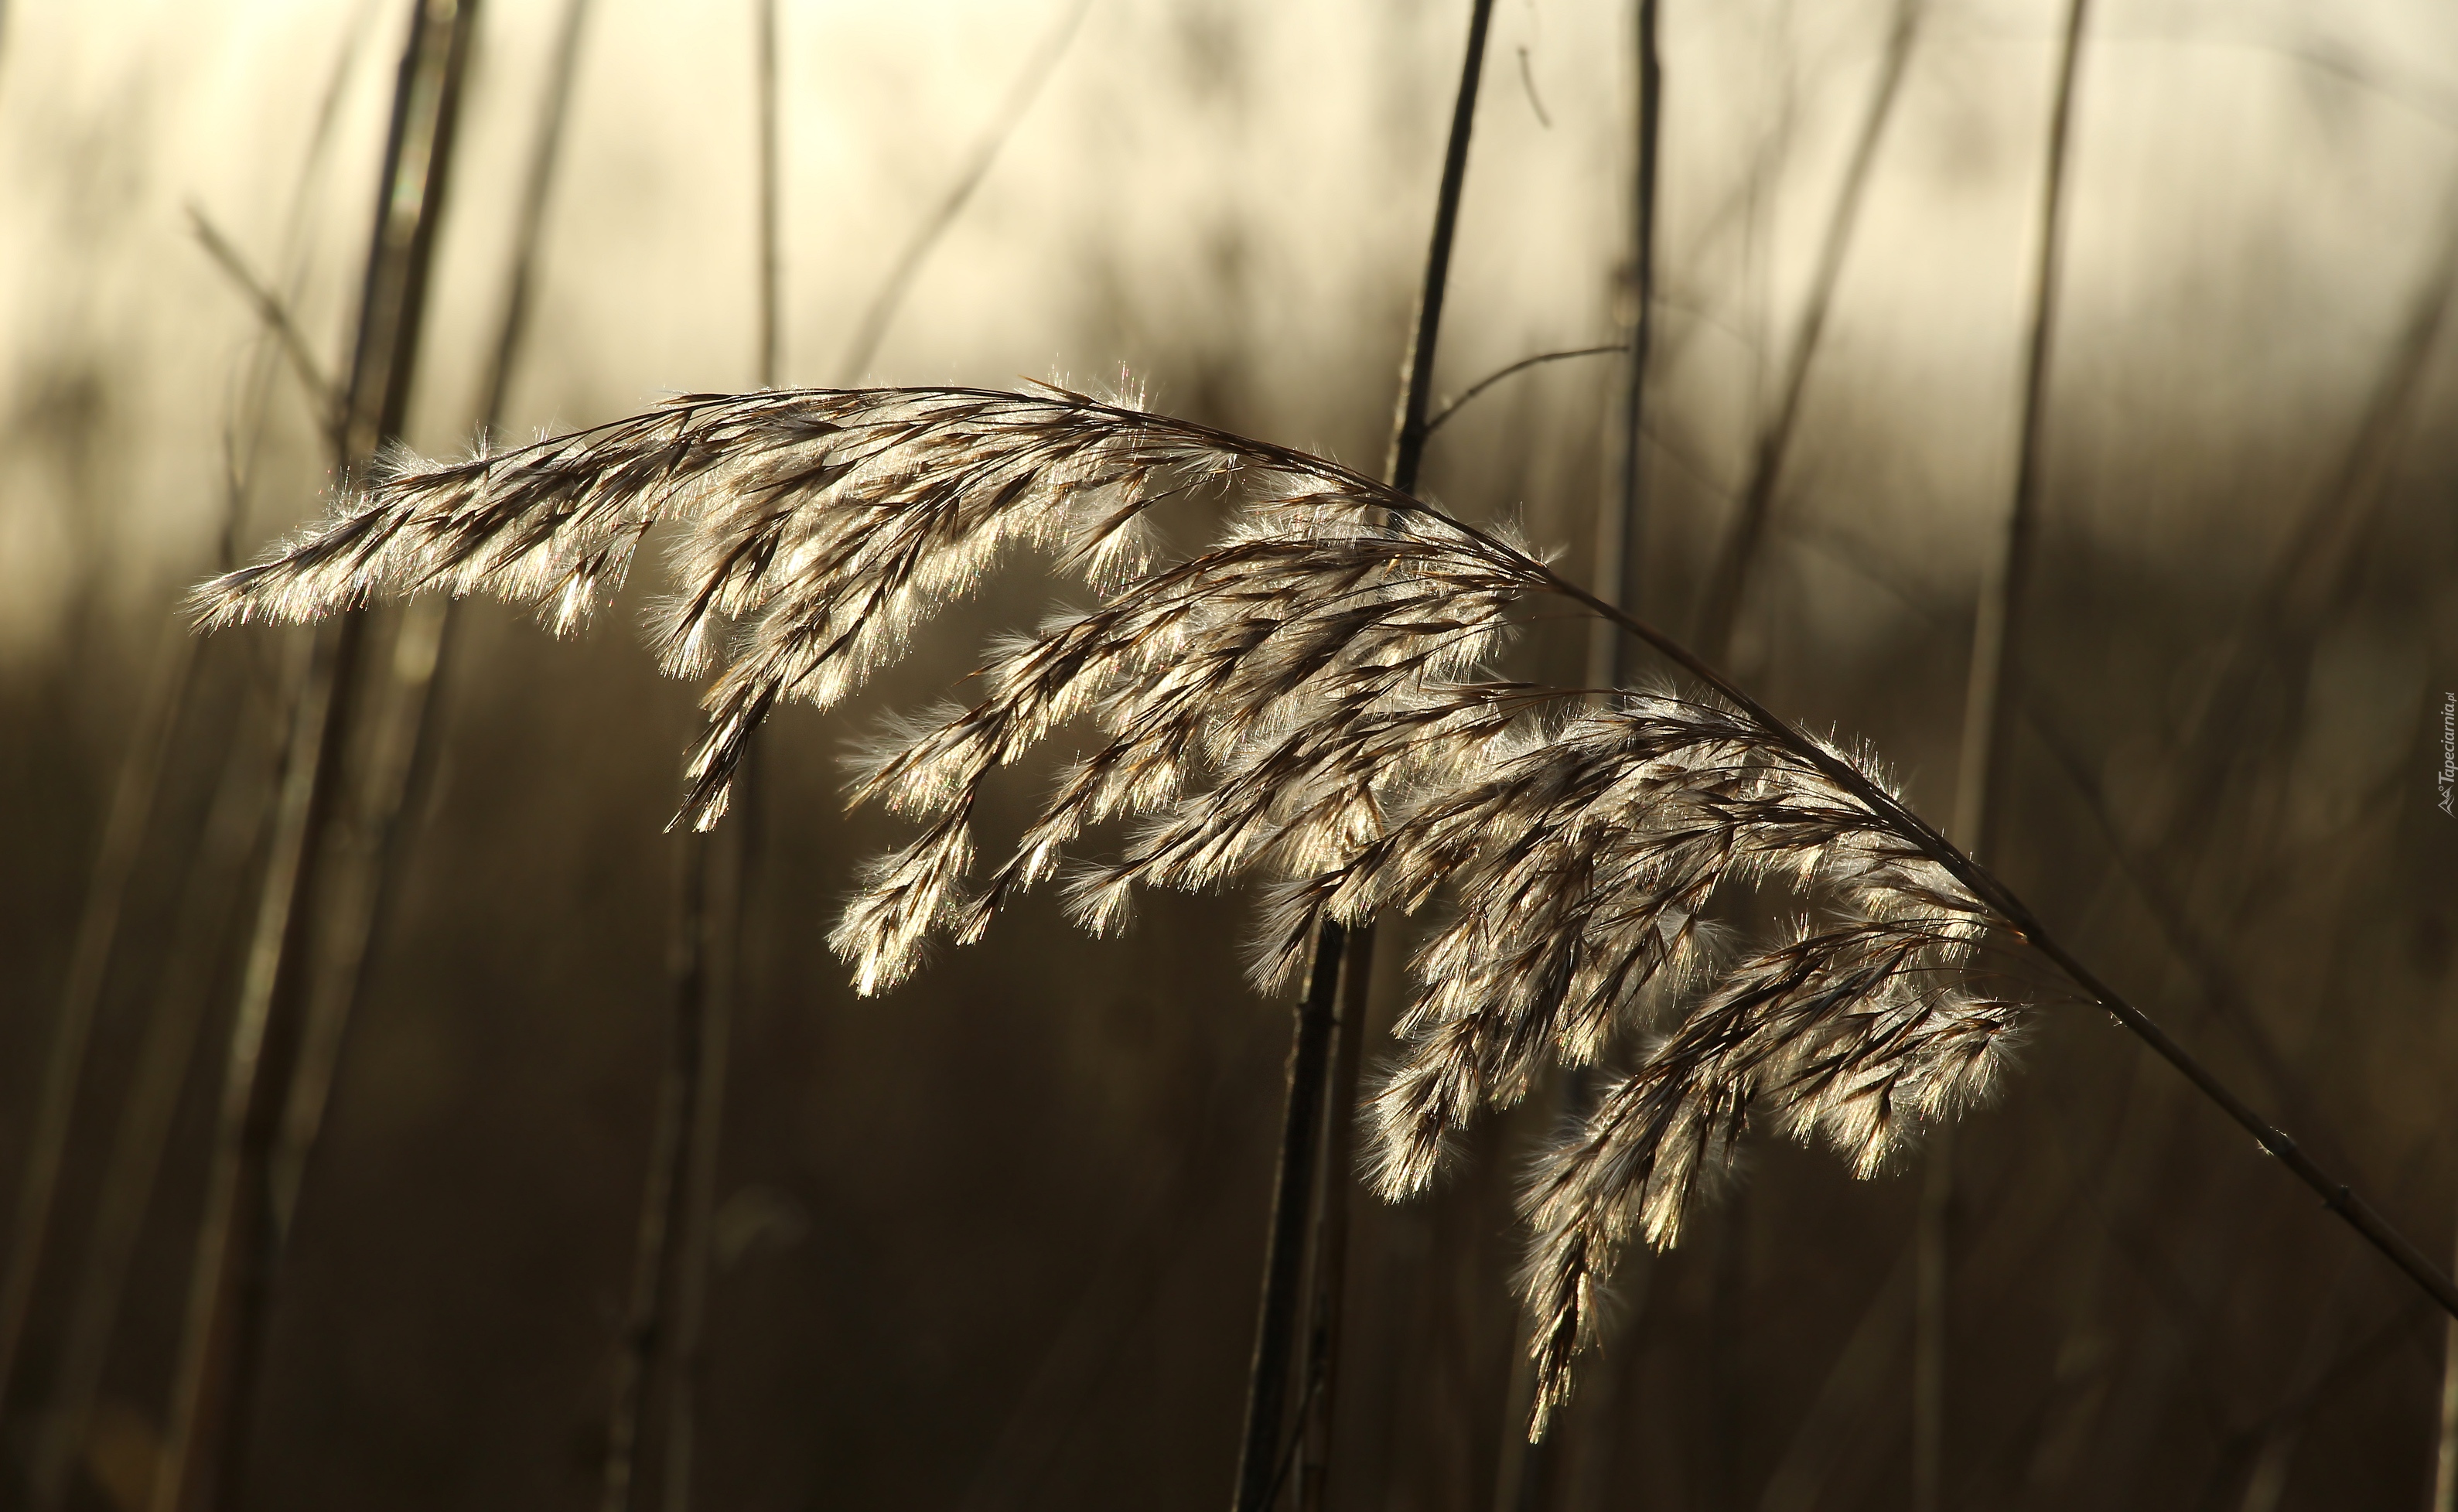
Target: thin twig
(1730, 575)
(884, 306)
(274, 310)
(1520, 366)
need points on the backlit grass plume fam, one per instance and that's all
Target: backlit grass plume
(1308, 703)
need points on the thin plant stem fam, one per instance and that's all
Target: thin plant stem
(1417, 385)
(1310, 1099)
(274, 312)
(193, 963)
(129, 815)
(127, 821)
(662, 1195)
(208, 890)
(884, 306)
(220, 1346)
(667, 1326)
(1619, 522)
(1276, 1332)
(1729, 578)
(2339, 1198)
(1620, 554)
(733, 866)
(1337, 1192)
(771, 193)
(2314, 567)
(1988, 715)
(401, 753)
(1513, 371)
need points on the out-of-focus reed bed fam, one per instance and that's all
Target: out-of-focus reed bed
(992, 1238)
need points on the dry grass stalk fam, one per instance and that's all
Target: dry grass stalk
(1330, 1020)
(1305, 702)
(1619, 516)
(238, 1239)
(673, 1255)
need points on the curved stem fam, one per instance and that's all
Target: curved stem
(2336, 1196)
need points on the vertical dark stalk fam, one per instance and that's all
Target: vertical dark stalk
(399, 756)
(206, 901)
(1336, 1190)
(1260, 1463)
(1620, 520)
(1729, 577)
(665, 1323)
(194, 960)
(1262, 1456)
(733, 864)
(230, 1283)
(662, 1195)
(1989, 708)
(123, 833)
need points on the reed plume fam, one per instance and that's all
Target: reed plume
(1312, 703)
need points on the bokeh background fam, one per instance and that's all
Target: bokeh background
(992, 1239)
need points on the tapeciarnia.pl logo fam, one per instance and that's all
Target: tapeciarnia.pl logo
(2448, 750)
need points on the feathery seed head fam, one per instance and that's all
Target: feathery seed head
(1308, 703)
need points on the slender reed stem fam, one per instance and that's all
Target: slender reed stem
(662, 1196)
(1729, 578)
(1931, 1260)
(1620, 551)
(1337, 1192)
(193, 961)
(733, 866)
(1417, 383)
(373, 851)
(229, 1285)
(130, 816)
(1311, 1060)
(1513, 371)
(2352, 1208)
(1284, 1254)
(209, 890)
(1619, 522)
(1988, 715)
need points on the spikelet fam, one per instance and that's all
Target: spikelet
(1308, 703)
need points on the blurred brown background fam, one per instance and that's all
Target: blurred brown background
(992, 1240)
